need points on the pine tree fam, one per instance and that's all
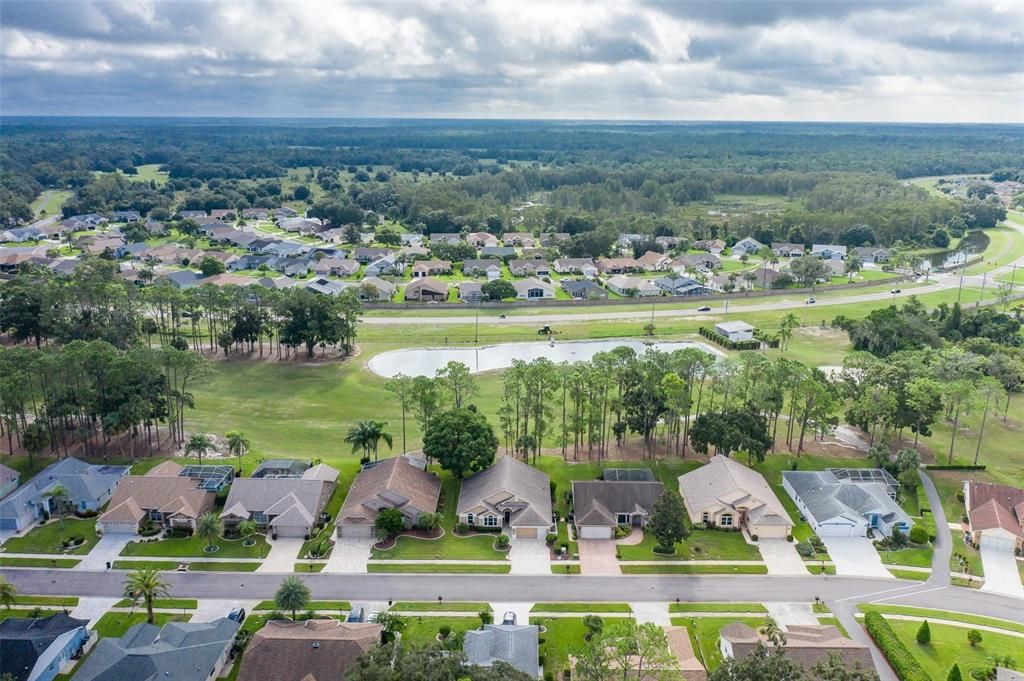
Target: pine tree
(924, 634)
(954, 673)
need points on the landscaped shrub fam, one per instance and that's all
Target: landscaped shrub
(924, 633)
(550, 538)
(444, 630)
(621, 531)
(903, 663)
(87, 513)
(502, 541)
(663, 551)
(462, 528)
(974, 637)
(753, 537)
(805, 550)
(918, 535)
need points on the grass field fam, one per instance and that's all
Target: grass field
(317, 606)
(909, 557)
(717, 607)
(50, 202)
(115, 624)
(701, 545)
(690, 569)
(949, 645)
(704, 635)
(422, 631)
(38, 562)
(194, 547)
(165, 603)
(582, 607)
(441, 568)
(434, 606)
(47, 538)
(60, 601)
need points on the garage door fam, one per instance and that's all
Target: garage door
(290, 531)
(837, 530)
(595, 532)
(526, 533)
(996, 543)
(363, 531)
(116, 528)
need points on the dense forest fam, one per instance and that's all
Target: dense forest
(439, 176)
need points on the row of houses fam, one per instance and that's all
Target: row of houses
(751, 247)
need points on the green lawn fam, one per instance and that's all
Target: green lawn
(910, 574)
(910, 557)
(169, 565)
(565, 569)
(704, 635)
(313, 605)
(165, 603)
(701, 545)
(421, 631)
(441, 568)
(444, 606)
(949, 645)
(717, 607)
(932, 615)
(6, 613)
(690, 569)
(582, 607)
(115, 624)
(563, 637)
(46, 538)
(193, 547)
(449, 546)
(38, 562)
(972, 554)
(69, 601)
(50, 201)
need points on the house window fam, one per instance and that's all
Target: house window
(154, 515)
(490, 521)
(622, 519)
(260, 518)
(469, 518)
(727, 520)
(705, 517)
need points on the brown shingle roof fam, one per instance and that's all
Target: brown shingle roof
(315, 650)
(991, 515)
(806, 644)
(395, 477)
(991, 506)
(166, 494)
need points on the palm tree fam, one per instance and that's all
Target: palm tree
(765, 253)
(248, 528)
(146, 582)
(786, 326)
(8, 593)
(292, 595)
(852, 265)
(208, 528)
(60, 495)
(366, 435)
(238, 444)
(198, 444)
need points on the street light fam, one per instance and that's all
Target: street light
(984, 277)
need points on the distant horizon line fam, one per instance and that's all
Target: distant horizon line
(469, 119)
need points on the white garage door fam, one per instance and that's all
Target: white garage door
(117, 528)
(837, 530)
(996, 543)
(363, 531)
(595, 532)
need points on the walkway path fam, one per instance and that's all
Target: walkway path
(943, 544)
(655, 613)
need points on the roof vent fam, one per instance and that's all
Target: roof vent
(316, 644)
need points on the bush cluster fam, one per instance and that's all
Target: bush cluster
(903, 663)
(719, 339)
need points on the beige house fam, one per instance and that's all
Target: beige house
(163, 496)
(652, 261)
(725, 493)
(806, 644)
(426, 289)
(995, 514)
(289, 507)
(511, 495)
(314, 650)
(399, 482)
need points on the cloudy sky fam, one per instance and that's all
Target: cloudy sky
(716, 60)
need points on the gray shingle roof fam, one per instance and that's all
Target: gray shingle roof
(596, 502)
(515, 644)
(520, 482)
(827, 496)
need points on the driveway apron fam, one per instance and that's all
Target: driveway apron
(350, 555)
(597, 557)
(781, 557)
(530, 557)
(855, 557)
(1001, 575)
(283, 555)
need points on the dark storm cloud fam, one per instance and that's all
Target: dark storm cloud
(737, 59)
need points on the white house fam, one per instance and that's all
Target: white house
(841, 502)
(735, 331)
(632, 286)
(748, 246)
(533, 289)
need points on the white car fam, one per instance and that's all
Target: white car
(508, 618)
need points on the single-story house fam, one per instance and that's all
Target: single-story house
(873, 254)
(517, 645)
(475, 268)
(285, 249)
(524, 239)
(715, 246)
(725, 493)
(281, 468)
(629, 287)
(365, 255)
(37, 648)
(313, 650)
(426, 268)
(180, 279)
(326, 287)
(841, 502)
(828, 251)
(178, 651)
(682, 286)
(652, 261)
(995, 515)
(533, 289)
(600, 505)
(162, 496)
(554, 238)
(304, 226)
(22, 234)
(88, 488)
(584, 266)
(427, 289)
(290, 507)
(626, 240)
(445, 238)
(376, 289)
(255, 213)
(697, 261)
(747, 246)
(336, 267)
(667, 242)
(248, 262)
(225, 214)
(735, 331)
(618, 265)
(285, 212)
(787, 250)
(125, 216)
(529, 268)
(481, 239)
(497, 252)
(191, 214)
(470, 291)
(509, 494)
(398, 482)
(806, 644)
(9, 479)
(389, 264)
(583, 289)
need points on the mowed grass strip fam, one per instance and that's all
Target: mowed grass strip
(116, 624)
(440, 568)
(434, 606)
(171, 566)
(931, 614)
(39, 562)
(701, 545)
(690, 569)
(313, 605)
(62, 601)
(582, 607)
(187, 603)
(717, 607)
(193, 547)
(422, 631)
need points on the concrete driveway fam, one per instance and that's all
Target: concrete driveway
(107, 549)
(781, 557)
(283, 554)
(597, 557)
(350, 555)
(210, 609)
(1001, 576)
(855, 557)
(530, 557)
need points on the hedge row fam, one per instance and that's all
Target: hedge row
(956, 467)
(719, 339)
(899, 656)
(770, 340)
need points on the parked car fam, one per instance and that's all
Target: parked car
(508, 618)
(237, 615)
(704, 308)
(373, 616)
(895, 291)
(356, 615)
(810, 301)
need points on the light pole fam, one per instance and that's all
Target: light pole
(960, 289)
(984, 277)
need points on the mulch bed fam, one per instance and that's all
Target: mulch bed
(390, 542)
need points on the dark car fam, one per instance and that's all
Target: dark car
(704, 308)
(237, 615)
(356, 615)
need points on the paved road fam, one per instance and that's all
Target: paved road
(536, 588)
(943, 544)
